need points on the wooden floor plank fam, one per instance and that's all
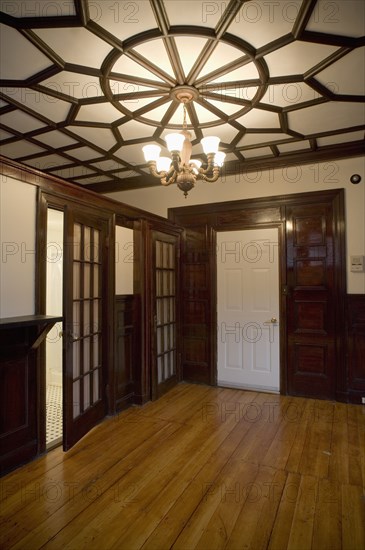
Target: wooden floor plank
(202, 467)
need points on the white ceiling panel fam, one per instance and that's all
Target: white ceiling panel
(13, 48)
(142, 54)
(76, 45)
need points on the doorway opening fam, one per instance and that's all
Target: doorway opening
(54, 348)
(248, 347)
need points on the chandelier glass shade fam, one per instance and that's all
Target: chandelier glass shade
(180, 168)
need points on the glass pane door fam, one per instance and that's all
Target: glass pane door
(84, 397)
(165, 247)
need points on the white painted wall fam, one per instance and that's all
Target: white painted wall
(123, 260)
(296, 179)
(17, 238)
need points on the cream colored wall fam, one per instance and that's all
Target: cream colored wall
(17, 237)
(297, 179)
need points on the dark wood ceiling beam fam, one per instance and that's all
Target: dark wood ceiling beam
(232, 168)
(82, 69)
(160, 14)
(304, 104)
(174, 57)
(140, 112)
(61, 21)
(227, 17)
(28, 110)
(305, 12)
(332, 152)
(43, 47)
(274, 45)
(229, 85)
(338, 54)
(202, 59)
(229, 67)
(44, 90)
(103, 34)
(227, 99)
(82, 11)
(194, 121)
(120, 77)
(332, 39)
(149, 66)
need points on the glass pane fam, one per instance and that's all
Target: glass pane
(76, 358)
(159, 341)
(86, 392)
(96, 281)
(159, 369)
(76, 320)
(96, 361)
(172, 282)
(87, 271)
(172, 336)
(166, 310)
(166, 366)
(97, 254)
(87, 327)
(172, 256)
(158, 283)
(166, 283)
(159, 311)
(165, 255)
(158, 254)
(86, 355)
(76, 281)
(76, 398)
(172, 309)
(87, 244)
(96, 319)
(77, 241)
(172, 363)
(96, 386)
(166, 338)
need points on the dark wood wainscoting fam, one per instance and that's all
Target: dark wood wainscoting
(356, 346)
(312, 287)
(127, 355)
(20, 400)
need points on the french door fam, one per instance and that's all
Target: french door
(84, 338)
(164, 308)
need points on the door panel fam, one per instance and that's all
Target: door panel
(311, 331)
(248, 308)
(84, 392)
(164, 306)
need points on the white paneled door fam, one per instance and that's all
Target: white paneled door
(248, 309)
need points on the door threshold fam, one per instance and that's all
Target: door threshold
(247, 387)
(54, 443)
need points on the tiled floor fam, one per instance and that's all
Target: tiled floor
(54, 414)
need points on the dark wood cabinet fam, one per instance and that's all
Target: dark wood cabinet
(20, 429)
(356, 346)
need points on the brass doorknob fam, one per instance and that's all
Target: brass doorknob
(274, 320)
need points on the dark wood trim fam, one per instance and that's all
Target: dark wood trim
(355, 330)
(248, 214)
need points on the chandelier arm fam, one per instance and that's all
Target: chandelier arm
(209, 179)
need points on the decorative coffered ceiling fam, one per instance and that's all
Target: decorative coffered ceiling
(85, 84)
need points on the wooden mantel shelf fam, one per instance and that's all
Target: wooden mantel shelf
(40, 325)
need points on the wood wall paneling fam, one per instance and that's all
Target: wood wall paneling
(312, 284)
(126, 351)
(356, 346)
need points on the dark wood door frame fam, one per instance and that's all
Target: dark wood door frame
(198, 252)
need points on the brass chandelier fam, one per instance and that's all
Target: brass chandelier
(181, 169)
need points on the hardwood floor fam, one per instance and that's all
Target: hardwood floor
(202, 467)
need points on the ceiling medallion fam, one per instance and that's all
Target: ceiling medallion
(181, 169)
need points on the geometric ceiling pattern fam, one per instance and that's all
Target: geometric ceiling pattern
(84, 85)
